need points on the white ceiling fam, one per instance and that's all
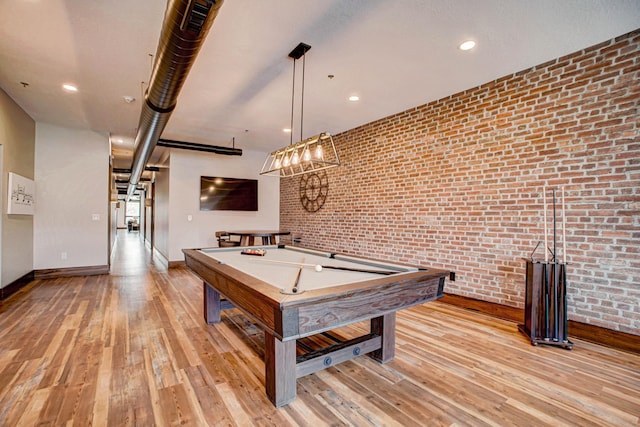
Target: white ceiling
(393, 54)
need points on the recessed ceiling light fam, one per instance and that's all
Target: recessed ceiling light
(286, 130)
(354, 98)
(467, 45)
(69, 87)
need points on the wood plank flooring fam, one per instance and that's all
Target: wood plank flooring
(132, 349)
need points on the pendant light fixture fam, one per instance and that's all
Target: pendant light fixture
(309, 155)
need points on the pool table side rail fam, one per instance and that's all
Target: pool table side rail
(412, 289)
(242, 290)
(375, 284)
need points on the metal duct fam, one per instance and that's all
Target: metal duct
(186, 24)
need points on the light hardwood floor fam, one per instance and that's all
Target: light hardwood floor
(131, 348)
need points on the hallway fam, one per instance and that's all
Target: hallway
(131, 257)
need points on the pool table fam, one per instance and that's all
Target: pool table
(293, 292)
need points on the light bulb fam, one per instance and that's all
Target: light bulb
(277, 163)
(306, 156)
(285, 162)
(319, 151)
(467, 45)
(295, 159)
(69, 87)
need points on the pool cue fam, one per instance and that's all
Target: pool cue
(546, 244)
(564, 231)
(284, 262)
(360, 270)
(563, 301)
(295, 284)
(555, 258)
(563, 275)
(547, 270)
(556, 271)
(330, 267)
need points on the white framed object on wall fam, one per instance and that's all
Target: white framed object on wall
(22, 195)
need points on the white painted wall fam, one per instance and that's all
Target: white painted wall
(1, 211)
(72, 186)
(184, 195)
(161, 232)
(17, 138)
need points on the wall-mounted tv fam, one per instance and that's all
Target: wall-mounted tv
(228, 194)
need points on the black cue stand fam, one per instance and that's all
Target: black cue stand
(545, 310)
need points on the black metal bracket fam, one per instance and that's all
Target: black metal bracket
(299, 50)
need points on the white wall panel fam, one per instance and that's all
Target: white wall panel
(72, 198)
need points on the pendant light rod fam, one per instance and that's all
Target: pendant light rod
(293, 89)
(298, 52)
(302, 98)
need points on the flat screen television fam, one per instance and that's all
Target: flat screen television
(228, 194)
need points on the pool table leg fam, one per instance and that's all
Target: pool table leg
(212, 304)
(280, 369)
(385, 326)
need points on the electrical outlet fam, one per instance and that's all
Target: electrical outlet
(189, 217)
(452, 276)
(63, 255)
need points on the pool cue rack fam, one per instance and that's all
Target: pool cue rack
(545, 311)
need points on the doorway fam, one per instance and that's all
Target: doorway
(132, 214)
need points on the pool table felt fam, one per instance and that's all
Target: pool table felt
(283, 276)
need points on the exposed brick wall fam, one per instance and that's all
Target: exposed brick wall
(457, 183)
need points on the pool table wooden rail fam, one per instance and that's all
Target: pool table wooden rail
(242, 290)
